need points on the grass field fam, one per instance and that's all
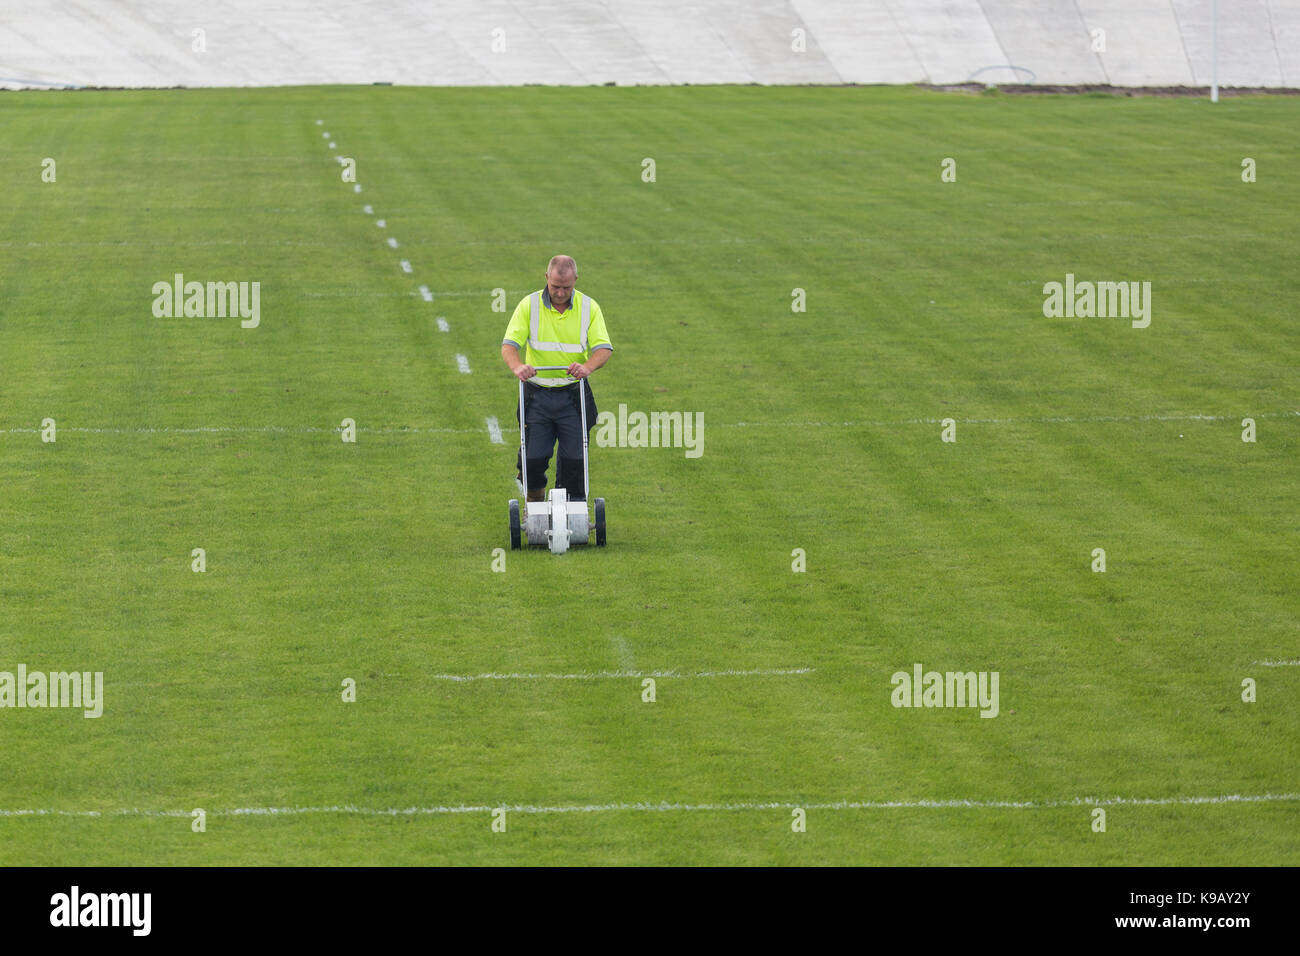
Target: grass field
(373, 560)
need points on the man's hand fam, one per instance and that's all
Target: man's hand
(510, 355)
(577, 370)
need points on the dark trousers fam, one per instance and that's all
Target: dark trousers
(553, 414)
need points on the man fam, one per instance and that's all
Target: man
(557, 324)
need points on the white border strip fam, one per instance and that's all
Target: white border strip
(1277, 663)
(680, 807)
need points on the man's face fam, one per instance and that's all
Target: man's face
(560, 287)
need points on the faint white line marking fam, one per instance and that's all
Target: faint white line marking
(442, 325)
(443, 328)
(1013, 421)
(240, 429)
(380, 223)
(623, 653)
(626, 675)
(406, 266)
(665, 807)
(1070, 202)
(1277, 663)
(463, 364)
(392, 242)
(368, 209)
(494, 431)
(426, 294)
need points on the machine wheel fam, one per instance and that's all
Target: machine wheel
(514, 524)
(600, 522)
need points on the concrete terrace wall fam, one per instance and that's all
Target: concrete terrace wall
(133, 43)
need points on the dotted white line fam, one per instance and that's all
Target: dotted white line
(463, 364)
(392, 242)
(426, 294)
(406, 266)
(442, 325)
(1277, 663)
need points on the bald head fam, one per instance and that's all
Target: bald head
(561, 274)
(561, 267)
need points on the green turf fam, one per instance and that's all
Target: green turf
(373, 560)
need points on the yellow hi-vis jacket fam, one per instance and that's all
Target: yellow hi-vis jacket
(545, 336)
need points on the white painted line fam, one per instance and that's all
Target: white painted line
(624, 675)
(462, 363)
(320, 122)
(1007, 421)
(494, 431)
(179, 243)
(1073, 202)
(425, 294)
(368, 209)
(623, 653)
(380, 223)
(1277, 663)
(356, 187)
(665, 807)
(442, 327)
(281, 429)
(324, 135)
(333, 145)
(392, 242)
(406, 266)
(475, 293)
(355, 295)
(241, 430)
